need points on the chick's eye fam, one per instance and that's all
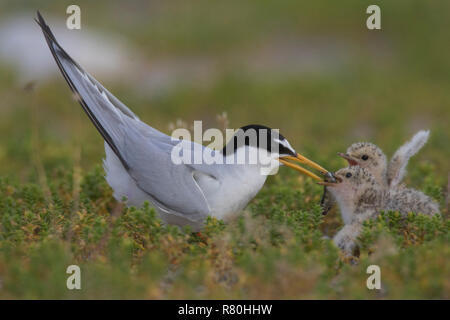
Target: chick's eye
(365, 157)
(348, 175)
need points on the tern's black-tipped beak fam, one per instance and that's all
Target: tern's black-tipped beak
(306, 161)
(336, 180)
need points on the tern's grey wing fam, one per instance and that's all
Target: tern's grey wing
(105, 111)
(143, 150)
(172, 185)
(397, 166)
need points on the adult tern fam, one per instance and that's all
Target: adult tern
(139, 164)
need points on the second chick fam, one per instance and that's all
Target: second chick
(360, 197)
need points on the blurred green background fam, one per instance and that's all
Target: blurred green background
(310, 68)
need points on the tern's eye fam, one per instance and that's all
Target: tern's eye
(365, 157)
(348, 175)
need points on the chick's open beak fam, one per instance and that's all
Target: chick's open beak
(351, 161)
(304, 160)
(331, 183)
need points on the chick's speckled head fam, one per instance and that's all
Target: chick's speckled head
(367, 156)
(351, 183)
(355, 176)
(355, 190)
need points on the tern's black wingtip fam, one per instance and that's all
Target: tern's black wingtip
(44, 27)
(40, 20)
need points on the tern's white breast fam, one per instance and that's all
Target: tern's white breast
(233, 191)
(235, 186)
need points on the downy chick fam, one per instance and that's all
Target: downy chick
(361, 197)
(366, 155)
(369, 156)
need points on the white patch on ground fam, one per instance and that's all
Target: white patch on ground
(113, 58)
(22, 45)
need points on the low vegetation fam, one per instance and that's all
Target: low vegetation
(322, 78)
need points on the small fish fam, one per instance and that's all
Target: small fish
(327, 201)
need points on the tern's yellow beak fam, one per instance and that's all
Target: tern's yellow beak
(304, 160)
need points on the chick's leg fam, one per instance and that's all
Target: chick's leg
(346, 238)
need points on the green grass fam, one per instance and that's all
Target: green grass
(56, 208)
(275, 249)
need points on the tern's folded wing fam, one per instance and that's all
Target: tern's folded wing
(143, 150)
(170, 183)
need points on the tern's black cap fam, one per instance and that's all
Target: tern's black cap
(259, 136)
